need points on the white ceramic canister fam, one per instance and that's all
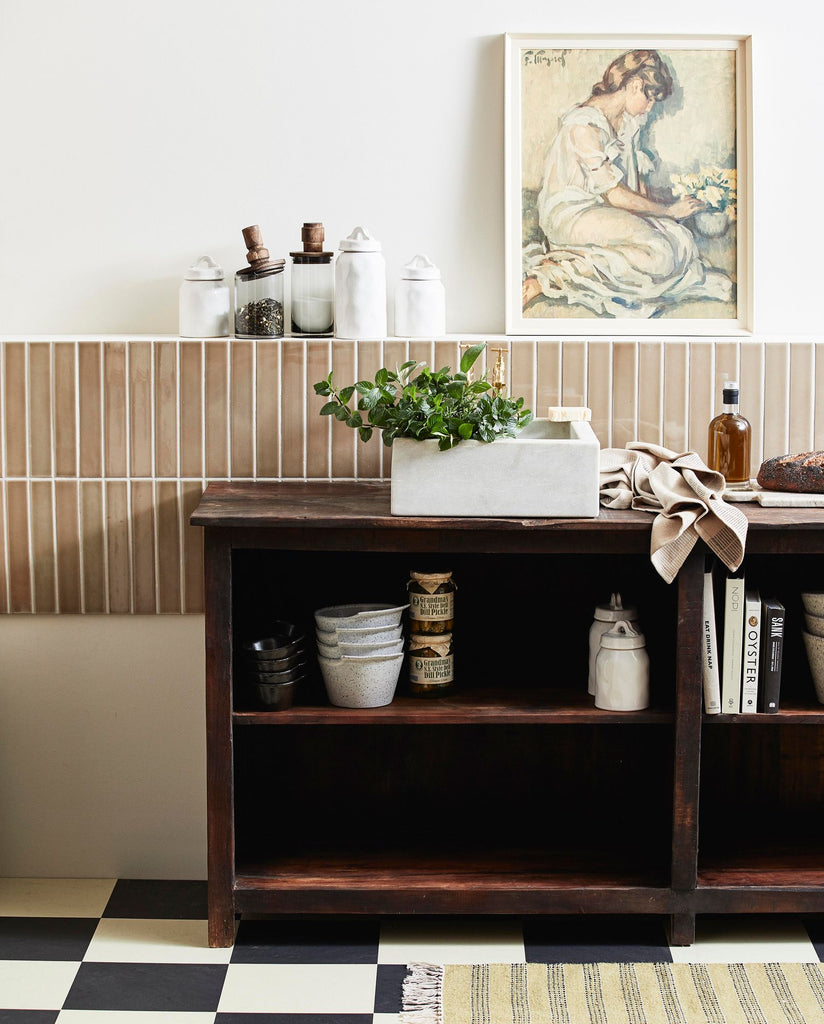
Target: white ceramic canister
(605, 616)
(360, 287)
(622, 670)
(205, 301)
(420, 300)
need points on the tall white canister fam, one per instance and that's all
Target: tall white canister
(360, 287)
(420, 300)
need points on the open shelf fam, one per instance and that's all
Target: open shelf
(514, 707)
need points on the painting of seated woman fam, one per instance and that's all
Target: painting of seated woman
(629, 185)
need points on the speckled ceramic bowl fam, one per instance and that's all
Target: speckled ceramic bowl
(815, 656)
(365, 649)
(815, 624)
(336, 615)
(363, 682)
(813, 601)
(358, 634)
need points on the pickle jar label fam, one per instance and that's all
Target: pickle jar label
(423, 671)
(434, 607)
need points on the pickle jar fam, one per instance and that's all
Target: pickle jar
(431, 602)
(431, 666)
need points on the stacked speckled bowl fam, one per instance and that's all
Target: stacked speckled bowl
(360, 653)
(275, 664)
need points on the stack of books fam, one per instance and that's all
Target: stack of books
(743, 645)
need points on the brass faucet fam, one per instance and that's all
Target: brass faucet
(498, 376)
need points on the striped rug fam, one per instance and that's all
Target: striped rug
(642, 993)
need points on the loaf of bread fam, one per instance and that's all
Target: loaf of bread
(802, 473)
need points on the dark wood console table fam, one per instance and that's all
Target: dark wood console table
(515, 795)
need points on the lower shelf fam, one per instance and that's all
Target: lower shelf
(511, 883)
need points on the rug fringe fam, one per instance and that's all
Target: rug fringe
(422, 994)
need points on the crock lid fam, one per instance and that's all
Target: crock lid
(615, 610)
(205, 269)
(622, 637)
(360, 240)
(420, 268)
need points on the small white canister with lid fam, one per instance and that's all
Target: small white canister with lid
(205, 301)
(622, 670)
(606, 615)
(420, 300)
(360, 287)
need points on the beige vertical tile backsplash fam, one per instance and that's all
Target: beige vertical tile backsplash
(108, 444)
(90, 408)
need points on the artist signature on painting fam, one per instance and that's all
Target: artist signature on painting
(548, 57)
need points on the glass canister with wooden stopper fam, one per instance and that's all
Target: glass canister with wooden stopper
(259, 291)
(313, 284)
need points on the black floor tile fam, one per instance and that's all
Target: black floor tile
(28, 1016)
(45, 938)
(159, 987)
(595, 939)
(815, 929)
(306, 942)
(149, 897)
(389, 988)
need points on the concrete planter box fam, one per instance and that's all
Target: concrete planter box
(550, 469)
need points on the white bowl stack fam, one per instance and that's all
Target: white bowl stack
(360, 653)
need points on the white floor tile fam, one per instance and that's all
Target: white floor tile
(299, 988)
(35, 984)
(744, 939)
(150, 941)
(132, 1017)
(54, 897)
(452, 941)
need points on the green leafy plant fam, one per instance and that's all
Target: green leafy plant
(414, 401)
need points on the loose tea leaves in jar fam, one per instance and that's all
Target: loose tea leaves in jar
(261, 318)
(431, 602)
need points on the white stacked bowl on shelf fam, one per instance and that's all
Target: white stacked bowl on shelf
(360, 653)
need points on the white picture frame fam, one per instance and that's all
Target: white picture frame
(704, 120)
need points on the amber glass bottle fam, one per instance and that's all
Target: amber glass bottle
(729, 440)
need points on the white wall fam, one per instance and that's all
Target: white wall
(138, 136)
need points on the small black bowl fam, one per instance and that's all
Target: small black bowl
(278, 645)
(277, 696)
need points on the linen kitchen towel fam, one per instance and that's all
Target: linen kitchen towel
(683, 493)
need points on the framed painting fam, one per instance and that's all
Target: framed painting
(628, 197)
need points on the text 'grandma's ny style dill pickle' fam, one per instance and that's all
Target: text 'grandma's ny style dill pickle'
(431, 664)
(431, 602)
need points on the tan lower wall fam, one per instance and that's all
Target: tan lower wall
(107, 444)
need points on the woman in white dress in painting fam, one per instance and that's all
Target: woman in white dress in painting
(611, 248)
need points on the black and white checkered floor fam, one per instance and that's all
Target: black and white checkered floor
(105, 951)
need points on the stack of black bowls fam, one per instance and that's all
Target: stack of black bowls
(276, 664)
